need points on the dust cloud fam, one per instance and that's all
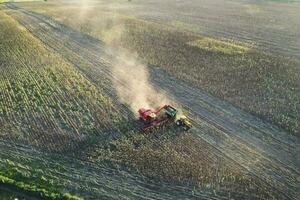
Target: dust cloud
(132, 83)
(130, 75)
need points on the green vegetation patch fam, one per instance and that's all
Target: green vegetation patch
(5, 1)
(35, 190)
(31, 178)
(214, 45)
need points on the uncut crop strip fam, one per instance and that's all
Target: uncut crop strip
(72, 48)
(40, 81)
(53, 96)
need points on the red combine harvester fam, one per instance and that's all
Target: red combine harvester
(162, 117)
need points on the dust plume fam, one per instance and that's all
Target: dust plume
(132, 83)
(131, 77)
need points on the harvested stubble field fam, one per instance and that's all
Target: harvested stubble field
(62, 123)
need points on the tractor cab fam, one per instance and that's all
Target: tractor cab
(184, 122)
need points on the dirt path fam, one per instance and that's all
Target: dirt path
(263, 150)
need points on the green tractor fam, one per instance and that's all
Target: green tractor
(183, 121)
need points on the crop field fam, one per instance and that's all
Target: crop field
(69, 74)
(263, 84)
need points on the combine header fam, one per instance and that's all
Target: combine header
(162, 117)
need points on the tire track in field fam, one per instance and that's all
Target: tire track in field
(264, 150)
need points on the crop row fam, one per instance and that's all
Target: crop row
(45, 98)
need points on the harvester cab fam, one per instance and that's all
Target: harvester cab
(147, 115)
